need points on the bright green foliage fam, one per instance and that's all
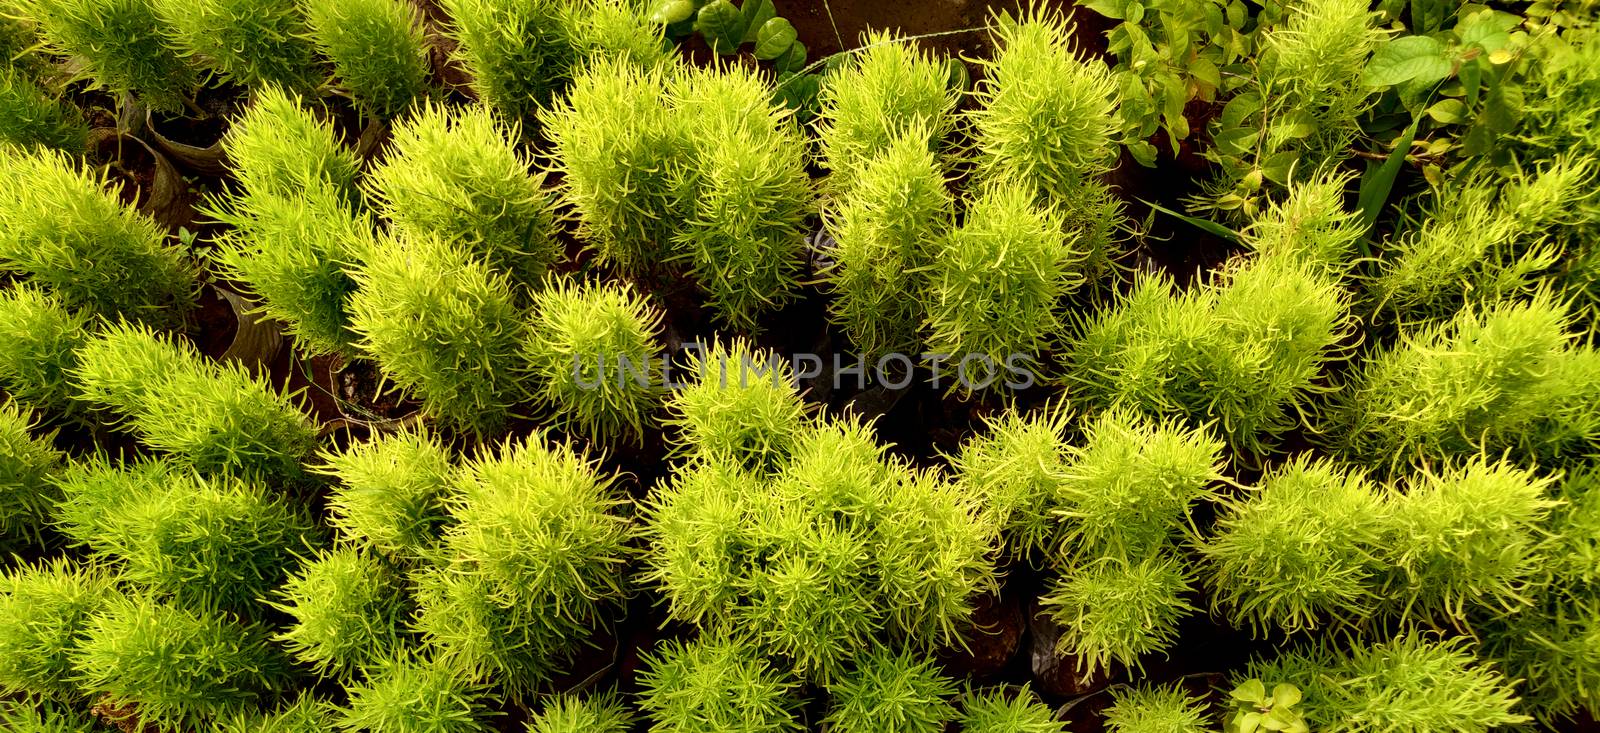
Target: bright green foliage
(699, 540)
(216, 417)
(1255, 710)
(1245, 349)
(348, 608)
(999, 711)
(1307, 548)
(378, 51)
(246, 42)
(568, 713)
(391, 492)
(743, 407)
(26, 463)
(46, 607)
(1044, 115)
(454, 174)
(306, 714)
(890, 692)
(1504, 378)
(1126, 491)
(1113, 612)
(1165, 709)
(892, 94)
(997, 283)
(1309, 225)
(217, 543)
(1468, 536)
(518, 52)
(410, 695)
(176, 667)
(617, 30)
(591, 354)
(442, 325)
(934, 546)
(64, 231)
(278, 147)
(749, 195)
(616, 146)
(530, 565)
(1407, 685)
(30, 717)
(1016, 468)
(39, 339)
(29, 116)
(120, 44)
(888, 225)
(717, 685)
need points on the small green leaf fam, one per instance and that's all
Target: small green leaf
(1251, 691)
(1205, 72)
(1247, 722)
(756, 13)
(1134, 12)
(1108, 8)
(1377, 182)
(956, 75)
(1409, 58)
(668, 12)
(793, 60)
(1448, 111)
(1285, 695)
(1225, 233)
(774, 39)
(720, 23)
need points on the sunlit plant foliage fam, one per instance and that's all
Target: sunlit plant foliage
(890, 95)
(717, 685)
(29, 116)
(246, 42)
(348, 609)
(47, 606)
(379, 55)
(892, 692)
(391, 492)
(26, 464)
(121, 45)
(39, 339)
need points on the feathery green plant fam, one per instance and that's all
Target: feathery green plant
(934, 547)
(699, 539)
(889, 94)
(454, 173)
(568, 713)
(1163, 709)
(997, 283)
(1044, 115)
(245, 42)
(31, 117)
(1310, 225)
(29, 717)
(617, 30)
(64, 231)
(39, 340)
(442, 325)
(26, 464)
(891, 692)
(278, 147)
(406, 694)
(213, 543)
(348, 608)
(591, 357)
(176, 668)
(391, 491)
(307, 714)
(120, 44)
(49, 605)
(216, 417)
(1115, 611)
(742, 407)
(1016, 468)
(379, 54)
(997, 710)
(518, 53)
(717, 685)
(888, 225)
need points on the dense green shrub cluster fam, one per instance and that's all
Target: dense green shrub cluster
(26, 465)
(120, 44)
(718, 685)
(247, 42)
(31, 117)
(347, 608)
(41, 338)
(379, 55)
(591, 356)
(391, 492)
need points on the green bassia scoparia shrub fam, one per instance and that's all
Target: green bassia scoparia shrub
(175, 668)
(391, 492)
(568, 713)
(1113, 611)
(213, 543)
(618, 30)
(455, 174)
(406, 694)
(717, 685)
(279, 147)
(888, 226)
(245, 42)
(1506, 378)
(749, 196)
(519, 53)
(348, 610)
(891, 92)
(1304, 550)
(741, 407)
(529, 567)
(1309, 224)
(26, 464)
(996, 286)
(1246, 349)
(998, 710)
(29, 116)
(50, 605)
(61, 229)
(30, 717)
(615, 145)
(39, 340)
(443, 326)
(307, 714)
(592, 359)
(379, 54)
(120, 44)
(1409, 684)
(1016, 467)
(1146, 709)
(890, 692)
(216, 417)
